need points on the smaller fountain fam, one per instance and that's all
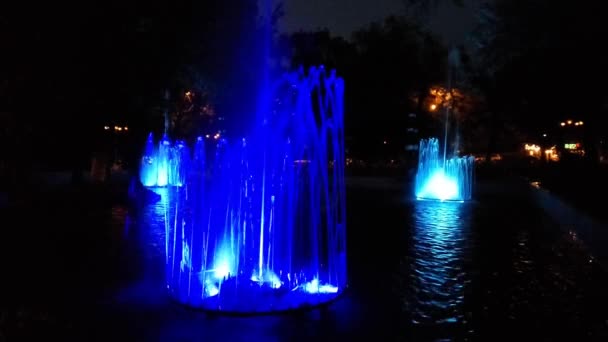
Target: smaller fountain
(179, 163)
(166, 165)
(148, 172)
(440, 178)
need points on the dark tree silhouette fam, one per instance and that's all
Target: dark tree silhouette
(68, 69)
(383, 66)
(396, 59)
(540, 62)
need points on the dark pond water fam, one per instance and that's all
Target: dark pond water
(81, 265)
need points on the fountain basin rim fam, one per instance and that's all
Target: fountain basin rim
(440, 200)
(290, 311)
(409, 199)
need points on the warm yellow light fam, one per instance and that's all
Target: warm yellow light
(576, 124)
(552, 154)
(531, 152)
(188, 93)
(118, 128)
(532, 148)
(563, 124)
(580, 123)
(433, 106)
(569, 122)
(126, 128)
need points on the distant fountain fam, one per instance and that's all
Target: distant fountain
(199, 158)
(166, 165)
(179, 164)
(443, 179)
(148, 172)
(259, 225)
(162, 157)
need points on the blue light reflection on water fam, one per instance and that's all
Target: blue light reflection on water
(440, 251)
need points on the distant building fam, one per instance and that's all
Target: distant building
(536, 151)
(571, 139)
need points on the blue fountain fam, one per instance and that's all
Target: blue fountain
(259, 223)
(165, 165)
(148, 172)
(439, 178)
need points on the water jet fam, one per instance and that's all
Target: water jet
(259, 224)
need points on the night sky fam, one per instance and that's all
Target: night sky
(341, 17)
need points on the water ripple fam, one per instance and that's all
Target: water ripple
(439, 251)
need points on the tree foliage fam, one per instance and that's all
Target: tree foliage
(543, 57)
(396, 59)
(97, 63)
(383, 65)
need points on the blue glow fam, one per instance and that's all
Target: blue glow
(252, 228)
(439, 186)
(165, 165)
(449, 181)
(314, 287)
(149, 170)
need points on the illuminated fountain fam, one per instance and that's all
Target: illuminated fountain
(166, 165)
(443, 179)
(179, 164)
(148, 172)
(260, 224)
